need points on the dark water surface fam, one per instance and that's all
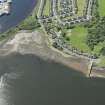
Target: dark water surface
(29, 80)
(19, 10)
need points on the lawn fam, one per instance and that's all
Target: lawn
(80, 4)
(101, 7)
(77, 38)
(47, 6)
(101, 62)
(98, 47)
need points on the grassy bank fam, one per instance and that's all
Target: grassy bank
(30, 23)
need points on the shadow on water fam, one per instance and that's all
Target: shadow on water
(40, 82)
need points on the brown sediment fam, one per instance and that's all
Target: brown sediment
(36, 43)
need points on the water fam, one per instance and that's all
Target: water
(29, 80)
(19, 10)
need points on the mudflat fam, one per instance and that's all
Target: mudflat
(36, 42)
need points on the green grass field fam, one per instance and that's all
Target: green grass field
(47, 6)
(80, 4)
(101, 7)
(101, 62)
(77, 38)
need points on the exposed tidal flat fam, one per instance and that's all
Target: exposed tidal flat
(32, 73)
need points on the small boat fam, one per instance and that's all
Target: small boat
(5, 7)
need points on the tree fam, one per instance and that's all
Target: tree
(96, 34)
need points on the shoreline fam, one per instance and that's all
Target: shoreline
(15, 26)
(37, 43)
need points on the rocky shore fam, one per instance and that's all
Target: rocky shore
(37, 43)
